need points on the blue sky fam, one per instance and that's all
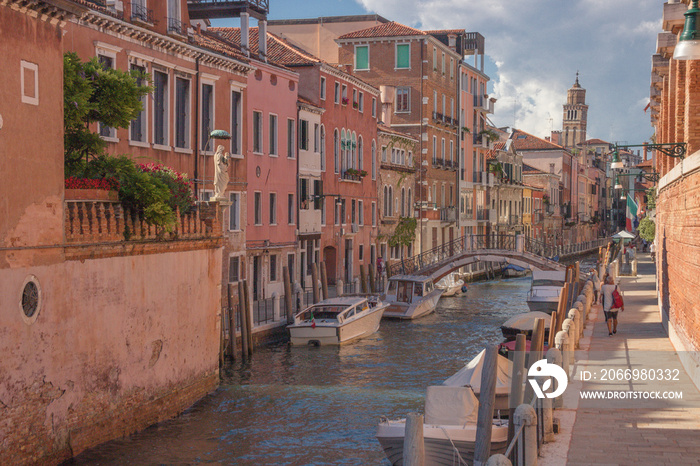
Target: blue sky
(534, 48)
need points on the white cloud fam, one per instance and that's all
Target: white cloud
(536, 47)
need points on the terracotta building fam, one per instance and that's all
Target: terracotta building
(675, 116)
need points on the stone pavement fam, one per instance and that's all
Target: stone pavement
(631, 432)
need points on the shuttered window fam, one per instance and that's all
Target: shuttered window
(402, 56)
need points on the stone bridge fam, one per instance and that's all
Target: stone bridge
(470, 249)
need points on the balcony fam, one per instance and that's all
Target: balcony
(175, 26)
(673, 19)
(141, 13)
(451, 165)
(477, 177)
(351, 176)
(482, 214)
(211, 9)
(448, 214)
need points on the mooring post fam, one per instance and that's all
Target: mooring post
(554, 356)
(288, 294)
(487, 399)
(535, 353)
(249, 317)
(372, 284)
(525, 415)
(363, 279)
(413, 445)
(498, 460)
(231, 323)
(552, 330)
(324, 280)
(242, 311)
(339, 285)
(314, 282)
(517, 379)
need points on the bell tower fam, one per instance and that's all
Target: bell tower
(575, 116)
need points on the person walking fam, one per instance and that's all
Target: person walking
(596, 285)
(609, 310)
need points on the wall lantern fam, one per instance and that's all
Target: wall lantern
(688, 47)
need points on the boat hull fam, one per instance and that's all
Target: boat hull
(414, 310)
(323, 334)
(543, 306)
(438, 442)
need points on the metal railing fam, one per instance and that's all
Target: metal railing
(261, 4)
(176, 26)
(141, 13)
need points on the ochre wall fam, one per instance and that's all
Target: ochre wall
(119, 344)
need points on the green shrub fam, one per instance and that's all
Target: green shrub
(647, 229)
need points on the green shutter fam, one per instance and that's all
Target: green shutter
(362, 57)
(402, 56)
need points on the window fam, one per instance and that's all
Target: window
(360, 213)
(361, 252)
(234, 215)
(435, 100)
(374, 160)
(343, 215)
(273, 134)
(443, 149)
(452, 68)
(323, 211)
(434, 150)
(374, 107)
(29, 82)
(316, 137)
(258, 208)
(323, 88)
(409, 204)
(360, 154)
(290, 209)
(402, 99)
(336, 213)
(323, 148)
(361, 57)
(182, 113)
(233, 269)
(403, 56)
(107, 62)
(235, 122)
(452, 149)
(303, 135)
(435, 63)
(207, 116)
(374, 214)
(318, 194)
(344, 94)
(273, 209)
(303, 193)
(138, 125)
(353, 212)
(257, 132)
(384, 154)
(444, 107)
(361, 102)
(336, 93)
(354, 98)
(336, 151)
(273, 267)
(452, 110)
(403, 202)
(443, 63)
(290, 138)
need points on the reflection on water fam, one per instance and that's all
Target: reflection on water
(307, 405)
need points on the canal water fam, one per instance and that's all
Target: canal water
(321, 406)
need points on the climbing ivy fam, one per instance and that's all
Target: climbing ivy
(405, 232)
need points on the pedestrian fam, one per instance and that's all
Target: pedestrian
(596, 285)
(652, 251)
(609, 310)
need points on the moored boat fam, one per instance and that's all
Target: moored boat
(545, 289)
(410, 296)
(336, 321)
(449, 429)
(512, 271)
(451, 285)
(525, 323)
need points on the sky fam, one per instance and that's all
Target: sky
(534, 49)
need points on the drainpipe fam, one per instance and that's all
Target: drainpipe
(196, 130)
(424, 43)
(297, 200)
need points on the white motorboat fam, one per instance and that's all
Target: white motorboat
(545, 290)
(451, 285)
(449, 429)
(470, 376)
(410, 296)
(525, 323)
(337, 321)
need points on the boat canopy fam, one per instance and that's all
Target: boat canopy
(517, 268)
(450, 406)
(470, 374)
(411, 278)
(526, 320)
(548, 278)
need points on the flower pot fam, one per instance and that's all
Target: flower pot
(91, 195)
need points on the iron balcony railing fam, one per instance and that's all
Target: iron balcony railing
(175, 26)
(141, 13)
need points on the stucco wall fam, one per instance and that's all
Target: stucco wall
(119, 344)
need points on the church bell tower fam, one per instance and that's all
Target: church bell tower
(575, 116)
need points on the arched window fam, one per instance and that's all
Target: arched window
(360, 154)
(344, 143)
(353, 152)
(409, 204)
(336, 151)
(385, 210)
(323, 148)
(390, 210)
(403, 202)
(374, 160)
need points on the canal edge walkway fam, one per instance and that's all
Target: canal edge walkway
(627, 436)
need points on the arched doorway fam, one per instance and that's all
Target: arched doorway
(330, 257)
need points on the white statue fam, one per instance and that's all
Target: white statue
(220, 173)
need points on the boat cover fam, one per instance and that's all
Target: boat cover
(451, 406)
(517, 268)
(470, 375)
(526, 320)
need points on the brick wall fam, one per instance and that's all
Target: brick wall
(678, 255)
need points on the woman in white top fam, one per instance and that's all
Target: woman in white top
(596, 285)
(606, 292)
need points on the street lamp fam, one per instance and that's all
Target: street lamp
(616, 162)
(688, 47)
(617, 182)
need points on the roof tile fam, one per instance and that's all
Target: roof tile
(392, 29)
(525, 141)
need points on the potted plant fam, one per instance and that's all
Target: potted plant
(345, 100)
(92, 189)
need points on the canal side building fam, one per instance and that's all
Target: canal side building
(101, 336)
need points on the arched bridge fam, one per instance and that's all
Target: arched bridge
(514, 249)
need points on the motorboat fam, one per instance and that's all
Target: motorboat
(470, 376)
(513, 271)
(410, 296)
(545, 289)
(337, 321)
(451, 285)
(525, 323)
(449, 429)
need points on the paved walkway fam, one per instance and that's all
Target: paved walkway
(641, 431)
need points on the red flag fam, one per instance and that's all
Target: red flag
(647, 107)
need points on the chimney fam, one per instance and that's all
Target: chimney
(386, 95)
(245, 36)
(452, 42)
(262, 39)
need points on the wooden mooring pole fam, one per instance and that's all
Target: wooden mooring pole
(487, 400)
(517, 379)
(413, 442)
(248, 317)
(244, 321)
(288, 294)
(314, 282)
(231, 323)
(363, 279)
(372, 284)
(324, 280)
